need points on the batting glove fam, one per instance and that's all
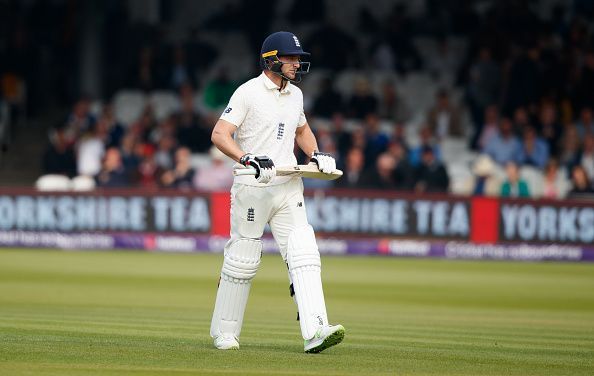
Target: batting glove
(264, 166)
(326, 163)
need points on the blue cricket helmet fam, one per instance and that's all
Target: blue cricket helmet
(282, 43)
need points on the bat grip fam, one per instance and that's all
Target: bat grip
(244, 171)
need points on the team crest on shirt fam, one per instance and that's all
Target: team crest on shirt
(297, 44)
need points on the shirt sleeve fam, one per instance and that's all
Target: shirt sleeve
(302, 119)
(236, 110)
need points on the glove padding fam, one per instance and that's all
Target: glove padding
(264, 166)
(326, 163)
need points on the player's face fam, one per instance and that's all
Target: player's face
(290, 66)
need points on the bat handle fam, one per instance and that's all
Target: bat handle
(244, 171)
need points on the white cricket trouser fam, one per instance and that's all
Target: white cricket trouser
(281, 206)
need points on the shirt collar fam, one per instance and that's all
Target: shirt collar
(272, 86)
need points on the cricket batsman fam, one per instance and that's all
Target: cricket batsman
(258, 128)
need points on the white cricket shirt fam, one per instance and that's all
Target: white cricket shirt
(266, 121)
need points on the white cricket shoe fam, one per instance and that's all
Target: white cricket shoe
(326, 336)
(226, 342)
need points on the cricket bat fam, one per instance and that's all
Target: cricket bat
(305, 171)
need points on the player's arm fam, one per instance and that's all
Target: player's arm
(222, 138)
(307, 142)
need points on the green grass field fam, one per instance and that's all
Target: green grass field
(120, 313)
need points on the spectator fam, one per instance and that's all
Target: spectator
(569, 153)
(353, 169)
(585, 124)
(112, 174)
(128, 153)
(382, 176)
(427, 140)
(392, 106)
(491, 128)
(90, 150)
(192, 131)
(514, 186)
(431, 175)
(534, 151)
(342, 137)
(485, 181)
(376, 140)
(505, 146)
(445, 65)
(164, 153)
(145, 75)
(328, 102)
(181, 71)
(115, 129)
(218, 176)
(182, 176)
(554, 185)
(218, 91)
(149, 173)
(59, 157)
(521, 119)
(444, 118)
(550, 129)
(362, 102)
(399, 135)
(80, 120)
(403, 171)
(587, 157)
(581, 184)
(483, 87)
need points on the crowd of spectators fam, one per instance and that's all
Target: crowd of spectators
(527, 82)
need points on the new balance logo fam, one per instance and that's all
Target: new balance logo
(300, 204)
(281, 131)
(228, 109)
(250, 215)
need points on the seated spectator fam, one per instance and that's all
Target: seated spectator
(218, 91)
(391, 104)
(382, 176)
(554, 185)
(581, 184)
(399, 135)
(490, 129)
(329, 101)
(403, 171)
(342, 137)
(585, 124)
(149, 173)
(514, 186)
(112, 174)
(90, 150)
(569, 153)
(128, 152)
(431, 175)
(549, 127)
(80, 120)
(181, 70)
(521, 119)
(59, 156)
(485, 181)
(586, 159)
(353, 169)
(182, 176)
(218, 176)
(362, 102)
(164, 152)
(444, 118)
(505, 146)
(427, 140)
(192, 131)
(534, 150)
(376, 141)
(115, 129)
